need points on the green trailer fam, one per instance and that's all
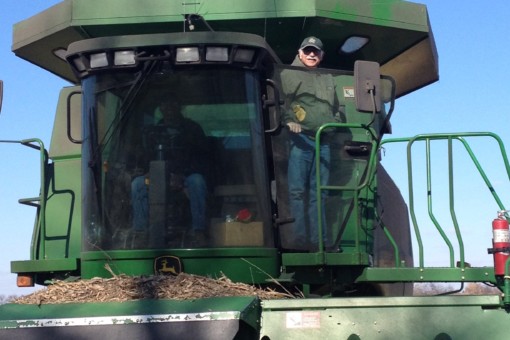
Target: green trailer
(226, 65)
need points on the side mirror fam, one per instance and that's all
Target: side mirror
(367, 83)
(1, 93)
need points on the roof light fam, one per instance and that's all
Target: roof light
(353, 44)
(187, 55)
(78, 63)
(98, 60)
(216, 53)
(244, 55)
(124, 58)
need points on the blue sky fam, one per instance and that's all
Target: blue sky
(471, 95)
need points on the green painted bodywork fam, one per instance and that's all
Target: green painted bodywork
(148, 319)
(56, 241)
(75, 310)
(396, 30)
(400, 40)
(452, 317)
(236, 264)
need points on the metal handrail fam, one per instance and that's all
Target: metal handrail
(365, 182)
(427, 138)
(40, 226)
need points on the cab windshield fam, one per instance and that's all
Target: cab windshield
(175, 159)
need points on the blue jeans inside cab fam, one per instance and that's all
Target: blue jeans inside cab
(303, 188)
(196, 189)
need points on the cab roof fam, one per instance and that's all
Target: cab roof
(398, 33)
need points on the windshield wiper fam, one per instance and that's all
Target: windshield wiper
(123, 111)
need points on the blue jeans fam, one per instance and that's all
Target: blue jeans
(140, 203)
(303, 185)
(196, 189)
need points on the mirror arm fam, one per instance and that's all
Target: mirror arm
(276, 102)
(392, 106)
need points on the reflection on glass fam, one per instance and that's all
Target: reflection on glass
(170, 156)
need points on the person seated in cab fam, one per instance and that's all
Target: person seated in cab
(182, 144)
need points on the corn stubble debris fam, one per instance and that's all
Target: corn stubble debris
(127, 288)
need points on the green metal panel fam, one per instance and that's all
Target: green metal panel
(388, 13)
(61, 147)
(63, 207)
(430, 274)
(44, 266)
(10, 312)
(452, 317)
(349, 173)
(319, 259)
(230, 317)
(56, 240)
(250, 265)
(63, 211)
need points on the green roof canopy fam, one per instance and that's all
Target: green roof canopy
(398, 32)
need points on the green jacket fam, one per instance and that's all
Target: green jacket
(310, 97)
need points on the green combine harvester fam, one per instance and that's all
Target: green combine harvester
(111, 196)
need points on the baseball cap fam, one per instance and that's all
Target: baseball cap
(312, 42)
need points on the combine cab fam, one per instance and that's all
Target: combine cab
(116, 197)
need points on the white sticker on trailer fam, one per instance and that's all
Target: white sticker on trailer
(304, 319)
(348, 92)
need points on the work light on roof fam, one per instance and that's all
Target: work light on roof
(353, 44)
(98, 60)
(244, 55)
(187, 55)
(78, 63)
(124, 58)
(214, 53)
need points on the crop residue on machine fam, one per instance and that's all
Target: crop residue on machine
(125, 288)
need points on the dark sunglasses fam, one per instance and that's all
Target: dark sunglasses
(308, 50)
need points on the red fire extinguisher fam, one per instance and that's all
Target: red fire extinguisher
(500, 243)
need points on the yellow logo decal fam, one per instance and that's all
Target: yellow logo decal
(167, 265)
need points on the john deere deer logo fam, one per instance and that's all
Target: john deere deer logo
(167, 265)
